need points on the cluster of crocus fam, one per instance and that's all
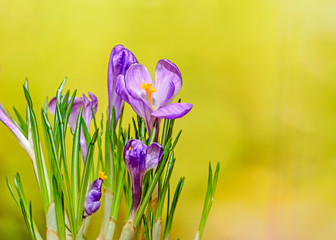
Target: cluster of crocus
(136, 164)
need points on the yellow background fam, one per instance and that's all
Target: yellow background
(261, 75)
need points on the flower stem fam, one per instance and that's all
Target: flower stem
(157, 229)
(127, 233)
(107, 211)
(110, 229)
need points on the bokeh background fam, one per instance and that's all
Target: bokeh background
(261, 75)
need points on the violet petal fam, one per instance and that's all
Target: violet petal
(135, 76)
(139, 106)
(168, 71)
(120, 60)
(173, 110)
(153, 157)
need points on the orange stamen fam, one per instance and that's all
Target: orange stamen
(149, 90)
(102, 175)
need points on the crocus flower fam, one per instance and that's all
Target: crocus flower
(153, 100)
(120, 60)
(139, 159)
(26, 143)
(87, 115)
(92, 199)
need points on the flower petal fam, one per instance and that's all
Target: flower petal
(120, 60)
(167, 71)
(173, 110)
(139, 106)
(153, 157)
(52, 105)
(83, 146)
(15, 130)
(87, 111)
(78, 102)
(94, 101)
(163, 94)
(27, 144)
(92, 199)
(135, 156)
(135, 76)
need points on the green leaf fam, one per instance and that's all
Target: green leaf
(64, 103)
(59, 208)
(62, 136)
(117, 200)
(209, 197)
(57, 171)
(173, 207)
(164, 132)
(163, 191)
(135, 129)
(146, 230)
(12, 193)
(176, 140)
(16, 123)
(31, 220)
(151, 221)
(99, 141)
(153, 133)
(143, 132)
(26, 218)
(42, 175)
(68, 111)
(171, 127)
(59, 91)
(85, 179)
(23, 124)
(108, 159)
(75, 160)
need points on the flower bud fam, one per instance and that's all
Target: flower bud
(139, 159)
(92, 199)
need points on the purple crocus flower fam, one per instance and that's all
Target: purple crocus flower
(139, 159)
(120, 60)
(87, 115)
(26, 143)
(153, 100)
(92, 199)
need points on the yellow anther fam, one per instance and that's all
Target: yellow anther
(130, 148)
(102, 175)
(149, 90)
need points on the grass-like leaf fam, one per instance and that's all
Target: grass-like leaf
(59, 207)
(173, 207)
(12, 193)
(85, 179)
(75, 161)
(68, 111)
(153, 133)
(23, 123)
(57, 171)
(42, 174)
(163, 191)
(209, 197)
(27, 220)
